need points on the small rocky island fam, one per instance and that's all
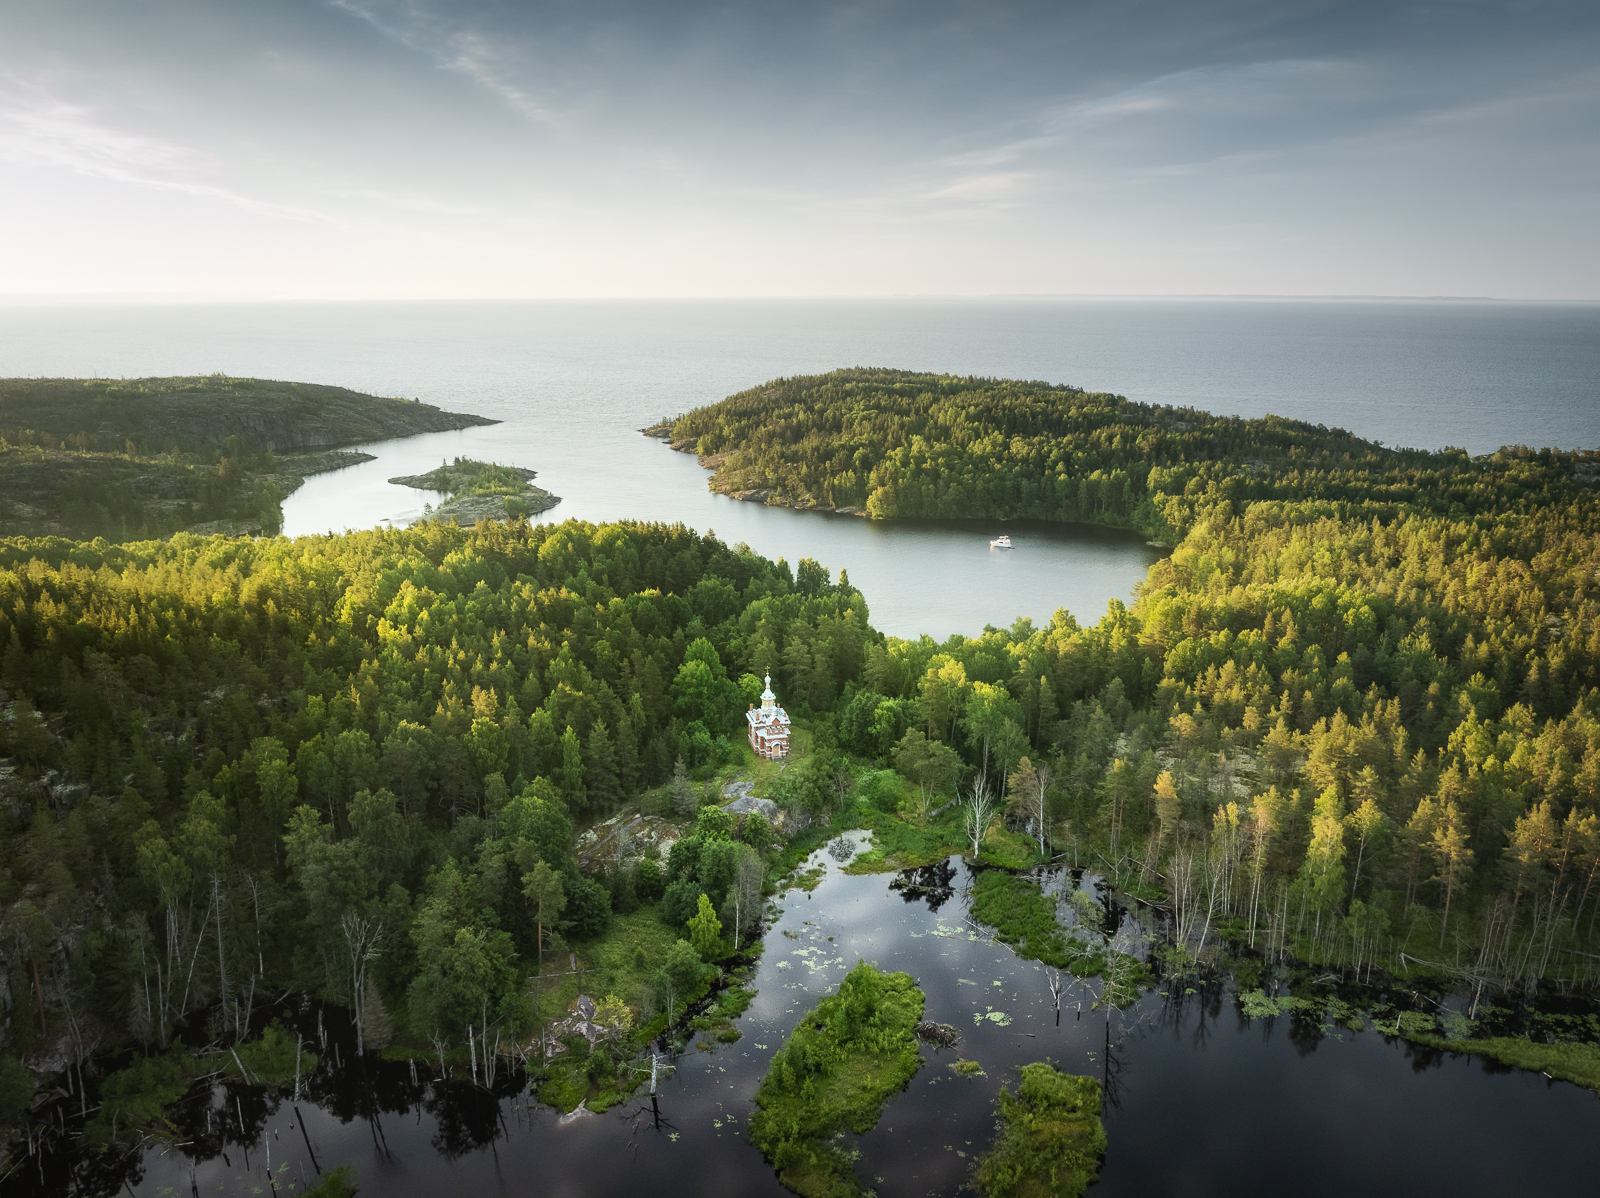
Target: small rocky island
(480, 491)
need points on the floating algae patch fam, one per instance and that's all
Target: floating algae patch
(843, 1061)
(1051, 1139)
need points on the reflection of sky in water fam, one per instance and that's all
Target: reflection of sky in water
(1207, 1104)
(933, 576)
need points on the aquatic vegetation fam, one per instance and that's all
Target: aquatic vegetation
(1572, 1053)
(719, 1016)
(134, 1100)
(338, 1182)
(1023, 917)
(1051, 1140)
(1568, 1060)
(270, 1061)
(966, 1068)
(842, 1063)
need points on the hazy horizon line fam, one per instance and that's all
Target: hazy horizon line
(156, 298)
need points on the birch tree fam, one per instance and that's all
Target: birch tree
(361, 937)
(978, 812)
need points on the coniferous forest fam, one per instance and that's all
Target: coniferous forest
(1352, 720)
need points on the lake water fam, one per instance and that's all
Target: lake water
(1203, 1101)
(573, 381)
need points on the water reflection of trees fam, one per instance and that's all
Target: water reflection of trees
(69, 1171)
(467, 1117)
(931, 884)
(373, 1087)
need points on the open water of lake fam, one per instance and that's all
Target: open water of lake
(1203, 1101)
(573, 381)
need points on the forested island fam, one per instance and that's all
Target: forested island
(125, 459)
(1351, 722)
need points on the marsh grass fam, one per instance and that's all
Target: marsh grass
(622, 962)
(338, 1182)
(842, 1063)
(1566, 1060)
(900, 844)
(1051, 1140)
(1022, 916)
(1010, 850)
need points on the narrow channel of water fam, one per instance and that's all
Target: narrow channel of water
(1202, 1100)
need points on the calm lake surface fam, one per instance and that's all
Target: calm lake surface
(573, 381)
(1205, 1102)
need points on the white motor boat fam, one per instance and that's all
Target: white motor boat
(1000, 543)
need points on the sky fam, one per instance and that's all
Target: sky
(487, 148)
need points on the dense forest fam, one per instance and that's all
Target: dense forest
(1351, 718)
(233, 765)
(125, 459)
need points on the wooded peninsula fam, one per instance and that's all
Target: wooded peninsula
(1351, 721)
(129, 458)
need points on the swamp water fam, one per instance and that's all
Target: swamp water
(1202, 1100)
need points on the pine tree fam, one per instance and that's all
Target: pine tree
(600, 769)
(1449, 845)
(572, 788)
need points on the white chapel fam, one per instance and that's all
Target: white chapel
(769, 725)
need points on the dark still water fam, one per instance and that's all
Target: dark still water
(1204, 1101)
(573, 381)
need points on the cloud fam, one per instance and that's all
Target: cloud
(486, 61)
(39, 129)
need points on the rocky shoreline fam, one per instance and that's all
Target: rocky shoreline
(469, 509)
(290, 476)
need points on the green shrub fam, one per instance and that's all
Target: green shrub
(679, 903)
(647, 881)
(588, 908)
(1052, 1140)
(842, 1062)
